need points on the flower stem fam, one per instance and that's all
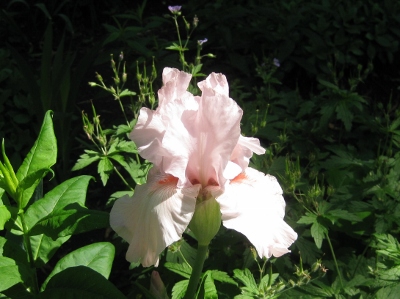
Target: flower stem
(334, 259)
(196, 272)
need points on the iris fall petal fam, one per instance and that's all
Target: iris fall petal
(253, 205)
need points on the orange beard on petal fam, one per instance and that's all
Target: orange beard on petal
(239, 178)
(170, 179)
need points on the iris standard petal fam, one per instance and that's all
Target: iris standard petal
(253, 205)
(215, 132)
(155, 217)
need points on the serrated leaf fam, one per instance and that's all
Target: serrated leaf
(328, 84)
(222, 277)
(181, 269)
(265, 280)
(345, 115)
(41, 157)
(85, 160)
(343, 214)
(104, 168)
(318, 232)
(210, 291)
(308, 218)
(98, 257)
(247, 278)
(80, 282)
(179, 289)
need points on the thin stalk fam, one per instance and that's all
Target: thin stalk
(123, 180)
(196, 272)
(334, 259)
(28, 247)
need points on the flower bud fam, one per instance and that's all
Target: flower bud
(206, 221)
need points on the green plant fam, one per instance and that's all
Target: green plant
(37, 225)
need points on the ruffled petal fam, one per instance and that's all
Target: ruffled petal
(216, 132)
(244, 150)
(253, 205)
(155, 217)
(155, 130)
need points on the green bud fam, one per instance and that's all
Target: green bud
(92, 84)
(99, 77)
(206, 220)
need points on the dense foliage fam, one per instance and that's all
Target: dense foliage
(319, 85)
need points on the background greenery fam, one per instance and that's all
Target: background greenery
(328, 115)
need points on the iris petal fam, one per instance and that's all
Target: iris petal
(154, 218)
(252, 204)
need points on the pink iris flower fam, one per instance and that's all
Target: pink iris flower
(198, 151)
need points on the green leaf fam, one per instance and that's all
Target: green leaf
(222, 277)
(210, 291)
(85, 160)
(390, 292)
(179, 289)
(318, 232)
(9, 273)
(328, 84)
(126, 92)
(44, 248)
(62, 212)
(247, 278)
(79, 282)
(266, 279)
(104, 168)
(181, 269)
(5, 215)
(308, 218)
(98, 257)
(26, 188)
(40, 158)
(345, 115)
(343, 214)
(70, 193)
(73, 220)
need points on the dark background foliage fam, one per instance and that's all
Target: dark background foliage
(328, 115)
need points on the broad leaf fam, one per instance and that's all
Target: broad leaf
(70, 192)
(9, 273)
(80, 282)
(40, 158)
(44, 247)
(98, 257)
(62, 212)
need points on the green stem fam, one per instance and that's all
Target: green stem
(334, 259)
(196, 272)
(123, 180)
(28, 247)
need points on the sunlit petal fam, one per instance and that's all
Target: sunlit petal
(253, 205)
(155, 217)
(216, 131)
